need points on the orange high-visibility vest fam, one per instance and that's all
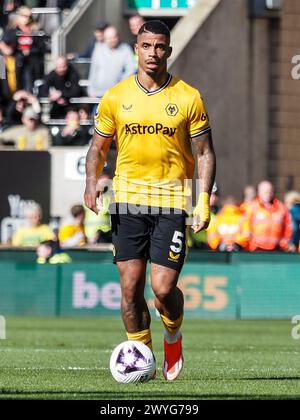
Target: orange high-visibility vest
(245, 206)
(270, 227)
(229, 227)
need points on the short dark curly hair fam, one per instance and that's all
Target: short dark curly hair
(155, 27)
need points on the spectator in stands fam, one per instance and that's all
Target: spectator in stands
(17, 105)
(61, 85)
(29, 136)
(7, 8)
(51, 253)
(72, 233)
(84, 113)
(269, 221)
(73, 134)
(292, 201)
(86, 121)
(98, 38)
(111, 63)
(29, 48)
(135, 22)
(229, 231)
(34, 232)
(249, 197)
(9, 85)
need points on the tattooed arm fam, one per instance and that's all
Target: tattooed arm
(206, 165)
(95, 161)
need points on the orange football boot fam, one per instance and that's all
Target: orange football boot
(173, 362)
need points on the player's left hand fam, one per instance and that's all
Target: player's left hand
(201, 215)
(198, 226)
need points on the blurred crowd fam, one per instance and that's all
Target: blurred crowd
(8, 8)
(71, 98)
(261, 223)
(80, 229)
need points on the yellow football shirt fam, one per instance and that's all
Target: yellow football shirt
(152, 132)
(71, 235)
(32, 236)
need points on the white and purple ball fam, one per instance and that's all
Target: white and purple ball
(132, 361)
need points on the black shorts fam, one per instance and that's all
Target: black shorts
(150, 234)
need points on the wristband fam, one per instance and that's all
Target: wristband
(202, 210)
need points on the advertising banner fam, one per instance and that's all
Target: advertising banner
(211, 290)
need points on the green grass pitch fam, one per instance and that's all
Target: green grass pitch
(67, 358)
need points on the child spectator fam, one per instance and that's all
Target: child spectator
(50, 252)
(73, 134)
(72, 233)
(34, 232)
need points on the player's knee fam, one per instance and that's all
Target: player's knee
(162, 293)
(132, 290)
(131, 295)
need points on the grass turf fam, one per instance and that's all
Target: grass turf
(67, 358)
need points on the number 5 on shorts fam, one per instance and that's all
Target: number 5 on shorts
(177, 241)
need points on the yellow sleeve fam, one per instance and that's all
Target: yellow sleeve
(198, 118)
(104, 118)
(47, 234)
(66, 232)
(17, 238)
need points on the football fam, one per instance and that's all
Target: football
(132, 361)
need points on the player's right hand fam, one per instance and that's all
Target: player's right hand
(99, 202)
(91, 194)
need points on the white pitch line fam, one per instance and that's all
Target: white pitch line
(12, 350)
(25, 369)
(61, 368)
